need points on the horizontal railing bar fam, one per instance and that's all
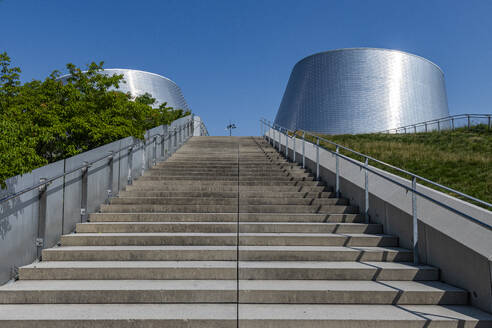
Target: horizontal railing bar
(47, 181)
(382, 163)
(438, 120)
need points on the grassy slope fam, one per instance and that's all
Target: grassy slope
(460, 159)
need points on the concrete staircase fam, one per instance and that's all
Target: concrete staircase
(167, 253)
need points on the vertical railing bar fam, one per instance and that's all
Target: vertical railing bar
(83, 200)
(415, 223)
(287, 145)
(109, 190)
(317, 158)
(294, 146)
(42, 204)
(130, 164)
(303, 149)
(337, 178)
(366, 191)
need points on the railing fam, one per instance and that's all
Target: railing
(267, 129)
(79, 184)
(446, 123)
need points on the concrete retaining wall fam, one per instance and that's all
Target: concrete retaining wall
(461, 248)
(19, 217)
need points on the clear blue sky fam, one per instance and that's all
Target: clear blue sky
(232, 59)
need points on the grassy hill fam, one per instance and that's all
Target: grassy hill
(460, 159)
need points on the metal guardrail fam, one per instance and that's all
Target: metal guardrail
(446, 123)
(267, 128)
(169, 141)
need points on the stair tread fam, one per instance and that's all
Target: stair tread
(389, 315)
(230, 264)
(274, 285)
(243, 248)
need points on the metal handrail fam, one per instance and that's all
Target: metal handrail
(365, 166)
(451, 118)
(413, 175)
(48, 181)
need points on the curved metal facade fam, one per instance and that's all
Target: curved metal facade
(362, 90)
(139, 82)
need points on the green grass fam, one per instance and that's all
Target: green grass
(460, 159)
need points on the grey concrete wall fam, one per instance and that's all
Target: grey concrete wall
(461, 248)
(19, 217)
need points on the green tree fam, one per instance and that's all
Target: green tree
(45, 121)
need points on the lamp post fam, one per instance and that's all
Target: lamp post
(230, 127)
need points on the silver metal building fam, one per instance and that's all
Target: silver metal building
(362, 90)
(141, 82)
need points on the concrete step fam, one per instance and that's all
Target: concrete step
(227, 194)
(221, 227)
(228, 239)
(150, 208)
(225, 291)
(226, 253)
(225, 217)
(228, 201)
(250, 316)
(228, 178)
(214, 181)
(226, 270)
(158, 186)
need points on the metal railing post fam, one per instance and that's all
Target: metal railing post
(438, 126)
(287, 145)
(83, 200)
(42, 204)
(109, 190)
(154, 155)
(468, 118)
(130, 164)
(425, 126)
(144, 148)
(303, 149)
(317, 158)
(452, 124)
(366, 191)
(163, 146)
(415, 223)
(294, 146)
(337, 178)
(414, 129)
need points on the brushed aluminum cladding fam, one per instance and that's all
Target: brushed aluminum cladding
(362, 90)
(160, 87)
(140, 82)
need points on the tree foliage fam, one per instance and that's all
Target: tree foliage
(45, 121)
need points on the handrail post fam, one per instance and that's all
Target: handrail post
(317, 158)
(366, 191)
(337, 179)
(415, 223)
(109, 191)
(452, 124)
(438, 126)
(42, 204)
(414, 129)
(287, 145)
(163, 146)
(425, 126)
(83, 200)
(130, 164)
(303, 149)
(294, 146)
(144, 148)
(154, 155)
(468, 118)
